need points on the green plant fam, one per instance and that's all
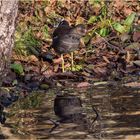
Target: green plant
(25, 42)
(126, 25)
(103, 24)
(17, 68)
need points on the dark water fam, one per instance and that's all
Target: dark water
(118, 109)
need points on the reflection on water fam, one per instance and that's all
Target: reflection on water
(34, 117)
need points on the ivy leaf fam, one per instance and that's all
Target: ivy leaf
(118, 27)
(129, 20)
(18, 68)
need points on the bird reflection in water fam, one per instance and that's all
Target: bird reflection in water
(69, 109)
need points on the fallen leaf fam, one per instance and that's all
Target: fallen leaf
(133, 46)
(119, 3)
(47, 10)
(79, 20)
(100, 83)
(48, 73)
(133, 84)
(136, 36)
(57, 61)
(100, 71)
(127, 11)
(83, 84)
(124, 37)
(106, 59)
(33, 58)
(128, 56)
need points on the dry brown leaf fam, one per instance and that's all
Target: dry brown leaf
(80, 20)
(48, 73)
(101, 64)
(47, 10)
(136, 36)
(85, 74)
(33, 58)
(57, 61)
(83, 84)
(67, 65)
(119, 4)
(56, 67)
(128, 56)
(106, 59)
(20, 58)
(53, 2)
(133, 84)
(127, 11)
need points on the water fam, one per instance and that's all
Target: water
(117, 107)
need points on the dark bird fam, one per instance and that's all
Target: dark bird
(66, 39)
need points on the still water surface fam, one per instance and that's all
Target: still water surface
(118, 109)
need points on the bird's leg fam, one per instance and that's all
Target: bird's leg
(72, 63)
(63, 67)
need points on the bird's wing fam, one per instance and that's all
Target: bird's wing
(69, 40)
(61, 30)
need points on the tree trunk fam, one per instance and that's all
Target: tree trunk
(8, 14)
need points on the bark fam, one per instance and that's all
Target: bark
(8, 13)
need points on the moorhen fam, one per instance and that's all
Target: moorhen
(67, 39)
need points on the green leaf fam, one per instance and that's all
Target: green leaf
(104, 10)
(129, 20)
(103, 32)
(92, 19)
(118, 27)
(17, 68)
(45, 29)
